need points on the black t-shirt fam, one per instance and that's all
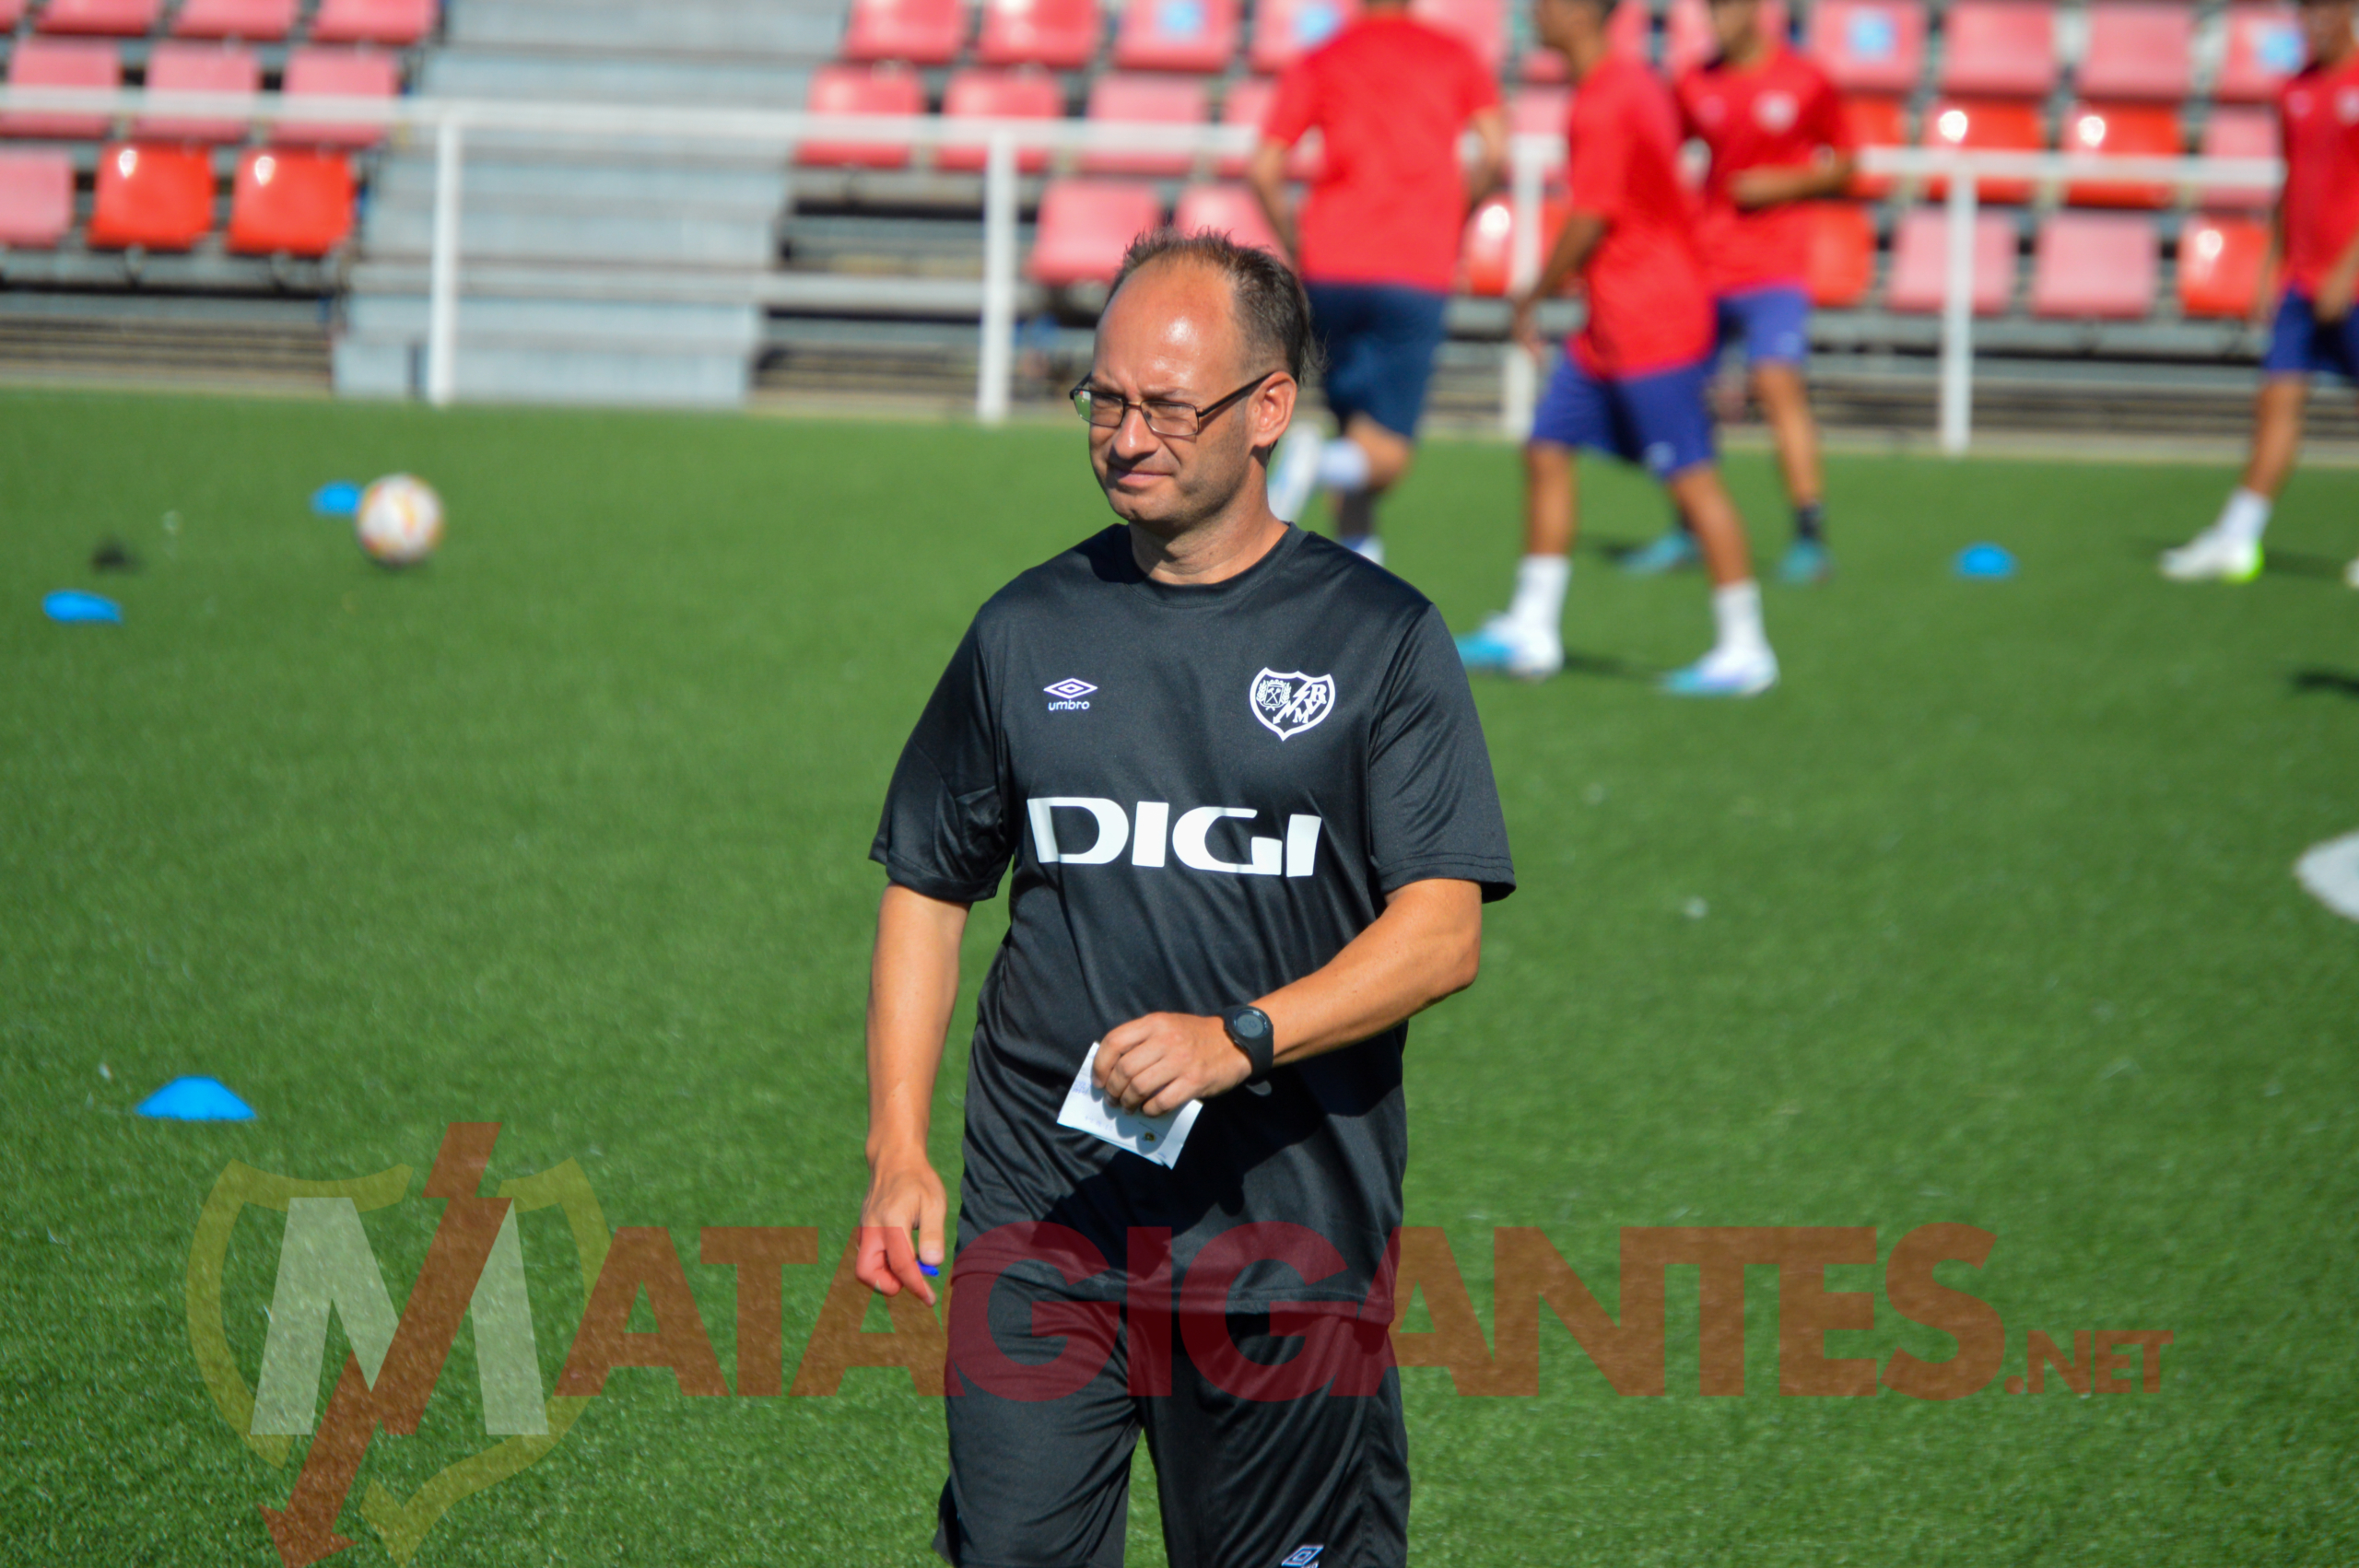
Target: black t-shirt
(1207, 792)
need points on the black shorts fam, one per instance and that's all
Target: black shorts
(1319, 1480)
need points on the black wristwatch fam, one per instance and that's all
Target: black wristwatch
(1249, 1031)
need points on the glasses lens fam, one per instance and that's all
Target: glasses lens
(1171, 418)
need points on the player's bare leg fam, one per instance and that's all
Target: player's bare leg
(1355, 469)
(1785, 405)
(2229, 551)
(1527, 639)
(1740, 662)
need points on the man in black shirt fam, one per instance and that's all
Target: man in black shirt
(1240, 776)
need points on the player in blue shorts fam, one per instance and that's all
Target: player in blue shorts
(1777, 139)
(2314, 250)
(1376, 241)
(1632, 384)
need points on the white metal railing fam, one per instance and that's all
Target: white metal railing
(1532, 158)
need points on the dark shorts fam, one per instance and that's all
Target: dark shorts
(1379, 340)
(1658, 420)
(2301, 345)
(1772, 322)
(1041, 1468)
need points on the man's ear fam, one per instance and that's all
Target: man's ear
(1272, 409)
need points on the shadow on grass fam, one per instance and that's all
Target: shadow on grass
(2340, 683)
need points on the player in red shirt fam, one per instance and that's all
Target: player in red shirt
(1775, 129)
(1377, 241)
(2314, 250)
(1632, 384)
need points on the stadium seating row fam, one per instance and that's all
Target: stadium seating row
(2096, 129)
(393, 22)
(2103, 267)
(160, 196)
(2141, 51)
(197, 68)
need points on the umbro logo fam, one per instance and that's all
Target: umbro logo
(1301, 1557)
(1069, 694)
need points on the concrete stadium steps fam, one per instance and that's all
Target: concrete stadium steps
(646, 31)
(556, 350)
(252, 345)
(617, 272)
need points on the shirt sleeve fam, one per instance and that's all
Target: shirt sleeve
(1293, 108)
(1481, 88)
(1826, 123)
(1597, 156)
(945, 830)
(1434, 807)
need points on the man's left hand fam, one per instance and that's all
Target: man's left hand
(1154, 1065)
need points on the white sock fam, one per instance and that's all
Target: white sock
(1368, 548)
(1736, 611)
(2242, 519)
(1540, 583)
(1343, 465)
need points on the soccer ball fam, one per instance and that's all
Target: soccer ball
(400, 520)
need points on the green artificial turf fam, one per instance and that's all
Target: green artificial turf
(1985, 916)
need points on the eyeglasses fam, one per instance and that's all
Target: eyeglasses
(1165, 416)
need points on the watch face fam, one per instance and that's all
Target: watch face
(1251, 1024)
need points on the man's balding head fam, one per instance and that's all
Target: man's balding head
(1195, 322)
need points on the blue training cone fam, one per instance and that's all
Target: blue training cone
(73, 607)
(1985, 562)
(338, 498)
(195, 1099)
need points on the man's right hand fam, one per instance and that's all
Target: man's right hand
(1523, 327)
(904, 1195)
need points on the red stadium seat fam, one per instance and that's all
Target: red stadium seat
(1999, 49)
(198, 67)
(1248, 103)
(1875, 122)
(2240, 132)
(298, 203)
(1688, 38)
(36, 197)
(1481, 23)
(115, 18)
(11, 13)
(1228, 209)
(2264, 47)
(861, 90)
(2219, 265)
(1488, 259)
(1000, 95)
(1086, 225)
(2095, 264)
(1991, 126)
(2139, 51)
(2121, 130)
(1920, 263)
(1540, 109)
(61, 62)
(1060, 34)
(1284, 29)
(253, 21)
(920, 33)
(1870, 46)
(1177, 35)
(1156, 100)
(397, 22)
(1842, 254)
(336, 73)
(150, 195)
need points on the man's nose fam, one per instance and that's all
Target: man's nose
(1132, 437)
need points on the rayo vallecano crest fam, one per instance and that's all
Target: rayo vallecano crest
(1292, 702)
